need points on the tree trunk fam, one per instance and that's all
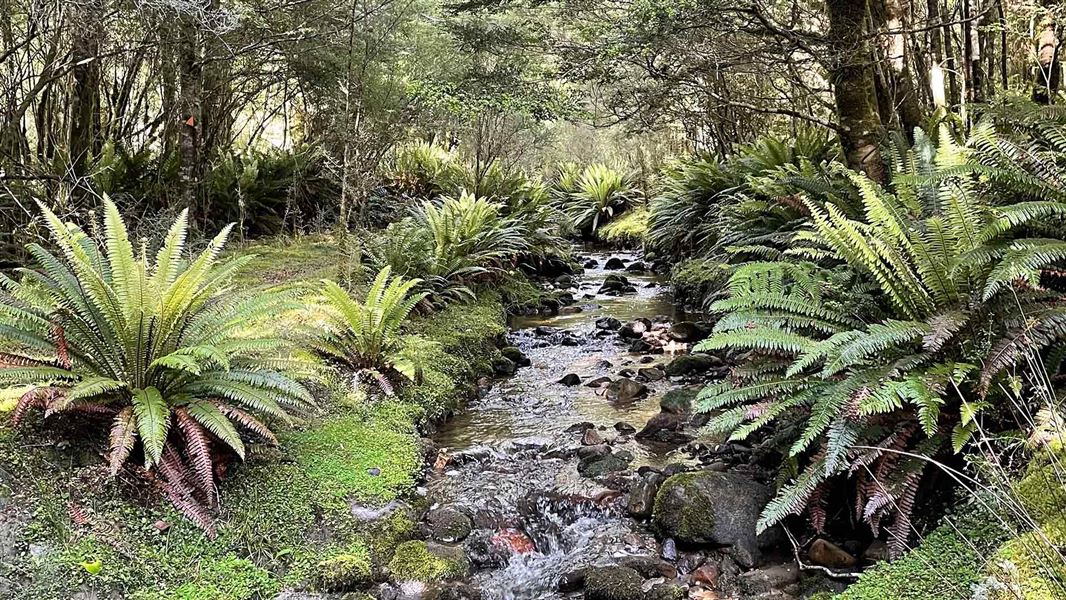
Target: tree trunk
(190, 99)
(853, 88)
(85, 100)
(900, 82)
(1047, 43)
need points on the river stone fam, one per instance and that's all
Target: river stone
(590, 453)
(687, 332)
(591, 438)
(666, 428)
(614, 263)
(608, 323)
(706, 507)
(447, 524)
(626, 390)
(624, 428)
(692, 364)
(650, 374)
(570, 380)
(592, 263)
(598, 466)
(598, 382)
(678, 401)
(633, 330)
(516, 356)
(666, 591)
(501, 365)
(636, 267)
(641, 498)
(613, 583)
(826, 553)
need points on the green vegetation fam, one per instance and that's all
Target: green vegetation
(418, 561)
(157, 348)
(593, 196)
(627, 231)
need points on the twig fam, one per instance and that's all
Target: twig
(799, 562)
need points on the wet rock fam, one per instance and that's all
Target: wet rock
(636, 267)
(425, 562)
(706, 574)
(624, 428)
(634, 330)
(647, 359)
(569, 340)
(692, 364)
(544, 330)
(768, 580)
(616, 285)
(514, 541)
(515, 355)
(591, 438)
(826, 553)
(458, 590)
(627, 373)
(641, 498)
(688, 332)
(678, 401)
(642, 347)
(608, 323)
(580, 427)
(598, 382)
(650, 374)
(613, 583)
(599, 466)
(565, 281)
(343, 572)
(571, 310)
(649, 567)
(614, 263)
(705, 507)
(591, 453)
(665, 427)
(604, 364)
(591, 263)
(571, 581)
(503, 366)
(626, 390)
(447, 524)
(570, 380)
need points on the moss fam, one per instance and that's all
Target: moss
(694, 520)
(344, 571)
(418, 561)
(695, 282)
(9, 397)
(627, 231)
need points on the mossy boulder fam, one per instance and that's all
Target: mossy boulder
(692, 364)
(515, 355)
(713, 508)
(428, 562)
(666, 591)
(679, 401)
(613, 583)
(344, 572)
(447, 524)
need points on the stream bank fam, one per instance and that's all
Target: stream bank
(584, 475)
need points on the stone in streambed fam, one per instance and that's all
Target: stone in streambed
(591, 437)
(665, 427)
(719, 509)
(447, 524)
(614, 263)
(516, 356)
(641, 498)
(635, 329)
(428, 562)
(570, 380)
(666, 591)
(624, 428)
(692, 364)
(608, 323)
(688, 332)
(636, 267)
(598, 466)
(598, 382)
(679, 401)
(650, 374)
(626, 390)
(503, 366)
(613, 583)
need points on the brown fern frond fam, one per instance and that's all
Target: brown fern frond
(198, 450)
(77, 515)
(182, 495)
(14, 361)
(757, 410)
(62, 350)
(943, 329)
(816, 506)
(247, 421)
(900, 530)
(122, 438)
(35, 398)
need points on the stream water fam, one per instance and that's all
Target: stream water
(509, 459)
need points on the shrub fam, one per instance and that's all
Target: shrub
(364, 335)
(598, 194)
(178, 365)
(873, 385)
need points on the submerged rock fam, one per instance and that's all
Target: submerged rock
(678, 401)
(613, 583)
(570, 379)
(604, 463)
(608, 323)
(720, 509)
(636, 267)
(516, 356)
(692, 364)
(626, 390)
(447, 524)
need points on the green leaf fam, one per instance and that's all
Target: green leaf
(213, 420)
(153, 422)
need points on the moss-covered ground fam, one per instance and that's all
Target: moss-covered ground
(285, 518)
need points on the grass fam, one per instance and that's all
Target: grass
(628, 230)
(285, 520)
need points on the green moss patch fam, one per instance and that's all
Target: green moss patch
(628, 230)
(419, 561)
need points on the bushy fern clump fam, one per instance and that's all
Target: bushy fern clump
(364, 336)
(595, 196)
(949, 293)
(181, 372)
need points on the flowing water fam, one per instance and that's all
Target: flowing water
(509, 458)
